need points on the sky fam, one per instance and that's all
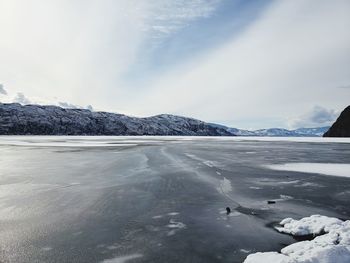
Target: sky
(242, 63)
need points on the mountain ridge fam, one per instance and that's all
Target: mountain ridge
(17, 119)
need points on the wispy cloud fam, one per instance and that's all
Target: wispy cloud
(2, 90)
(20, 98)
(168, 16)
(68, 105)
(274, 69)
(318, 116)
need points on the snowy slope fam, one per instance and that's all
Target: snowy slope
(52, 120)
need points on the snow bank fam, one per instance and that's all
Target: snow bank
(334, 169)
(267, 257)
(333, 246)
(314, 225)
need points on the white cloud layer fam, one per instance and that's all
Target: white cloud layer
(291, 57)
(20, 98)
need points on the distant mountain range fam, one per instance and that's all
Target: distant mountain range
(277, 132)
(17, 119)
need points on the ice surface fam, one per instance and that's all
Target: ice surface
(65, 141)
(293, 139)
(33, 198)
(334, 169)
(333, 246)
(110, 141)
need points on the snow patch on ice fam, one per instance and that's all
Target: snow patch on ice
(267, 257)
(168, 214)
(288, 139)
(333, 246)
(173, 214)
(284, 198)
(275, 182)
(175, 226)
(122, 259)
(225, 186)
(65, 141)
(334, 169)
(309, 184)
(208, 163)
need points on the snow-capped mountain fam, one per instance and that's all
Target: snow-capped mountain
(303, 132)
(278, 132)
(16, 119)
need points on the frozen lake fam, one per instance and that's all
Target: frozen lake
(162, 199)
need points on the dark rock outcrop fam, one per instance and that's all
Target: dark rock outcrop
(341, 127)
(16, 119)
